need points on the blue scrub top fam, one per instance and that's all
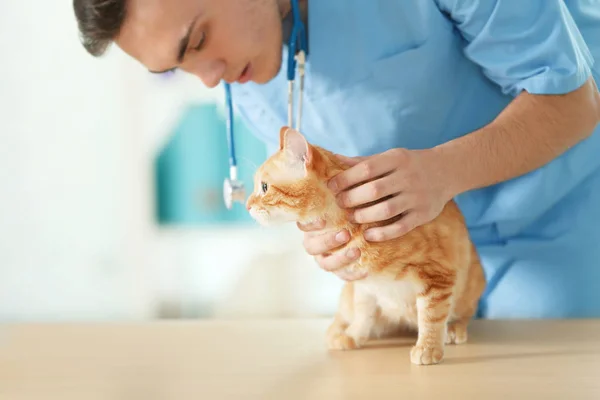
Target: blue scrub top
(417, 73)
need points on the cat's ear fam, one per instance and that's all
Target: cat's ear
(295, 146)
(282, 132)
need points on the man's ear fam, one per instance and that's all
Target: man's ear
(295, 146)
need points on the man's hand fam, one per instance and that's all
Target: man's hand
(399, 182)
(322, 245)
(402, 183)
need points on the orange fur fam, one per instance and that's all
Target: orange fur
(429, 280)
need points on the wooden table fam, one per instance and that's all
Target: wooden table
(287, 360)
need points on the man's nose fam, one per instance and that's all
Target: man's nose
(211, 72)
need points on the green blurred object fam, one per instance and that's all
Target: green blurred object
(193, 164)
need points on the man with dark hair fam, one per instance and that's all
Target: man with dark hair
(214, 40)
(493, 103)
(99, 23)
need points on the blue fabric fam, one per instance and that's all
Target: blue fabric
(414, 74)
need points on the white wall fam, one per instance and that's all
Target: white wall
(77, 238)
(65, 172)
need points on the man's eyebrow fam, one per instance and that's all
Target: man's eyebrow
(183, 45)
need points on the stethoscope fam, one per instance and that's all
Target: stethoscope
(233, 189)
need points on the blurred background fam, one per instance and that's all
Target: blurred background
(111, 192)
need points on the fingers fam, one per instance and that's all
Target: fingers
(384, 210)
(311, 226)
(392, 231)
(316, 244)
(351, 161)
(369, 192)
(366, 170)
(350, 276)
(338, 259)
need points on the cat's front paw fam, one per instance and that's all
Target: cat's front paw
(341, 341)
(426, 355)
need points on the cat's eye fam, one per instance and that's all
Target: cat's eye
(264, 187)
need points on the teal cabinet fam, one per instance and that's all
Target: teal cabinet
(191, 167)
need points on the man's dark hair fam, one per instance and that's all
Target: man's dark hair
(99, 23)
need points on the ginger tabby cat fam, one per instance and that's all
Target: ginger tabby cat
(429, 280)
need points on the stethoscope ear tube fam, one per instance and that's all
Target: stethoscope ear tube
(229, 122)
(233, 189)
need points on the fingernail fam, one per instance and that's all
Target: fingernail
(321, 223)
(352, 253)
(342, 237)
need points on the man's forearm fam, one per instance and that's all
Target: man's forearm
(530, 132)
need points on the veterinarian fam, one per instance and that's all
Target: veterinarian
(490, 102)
